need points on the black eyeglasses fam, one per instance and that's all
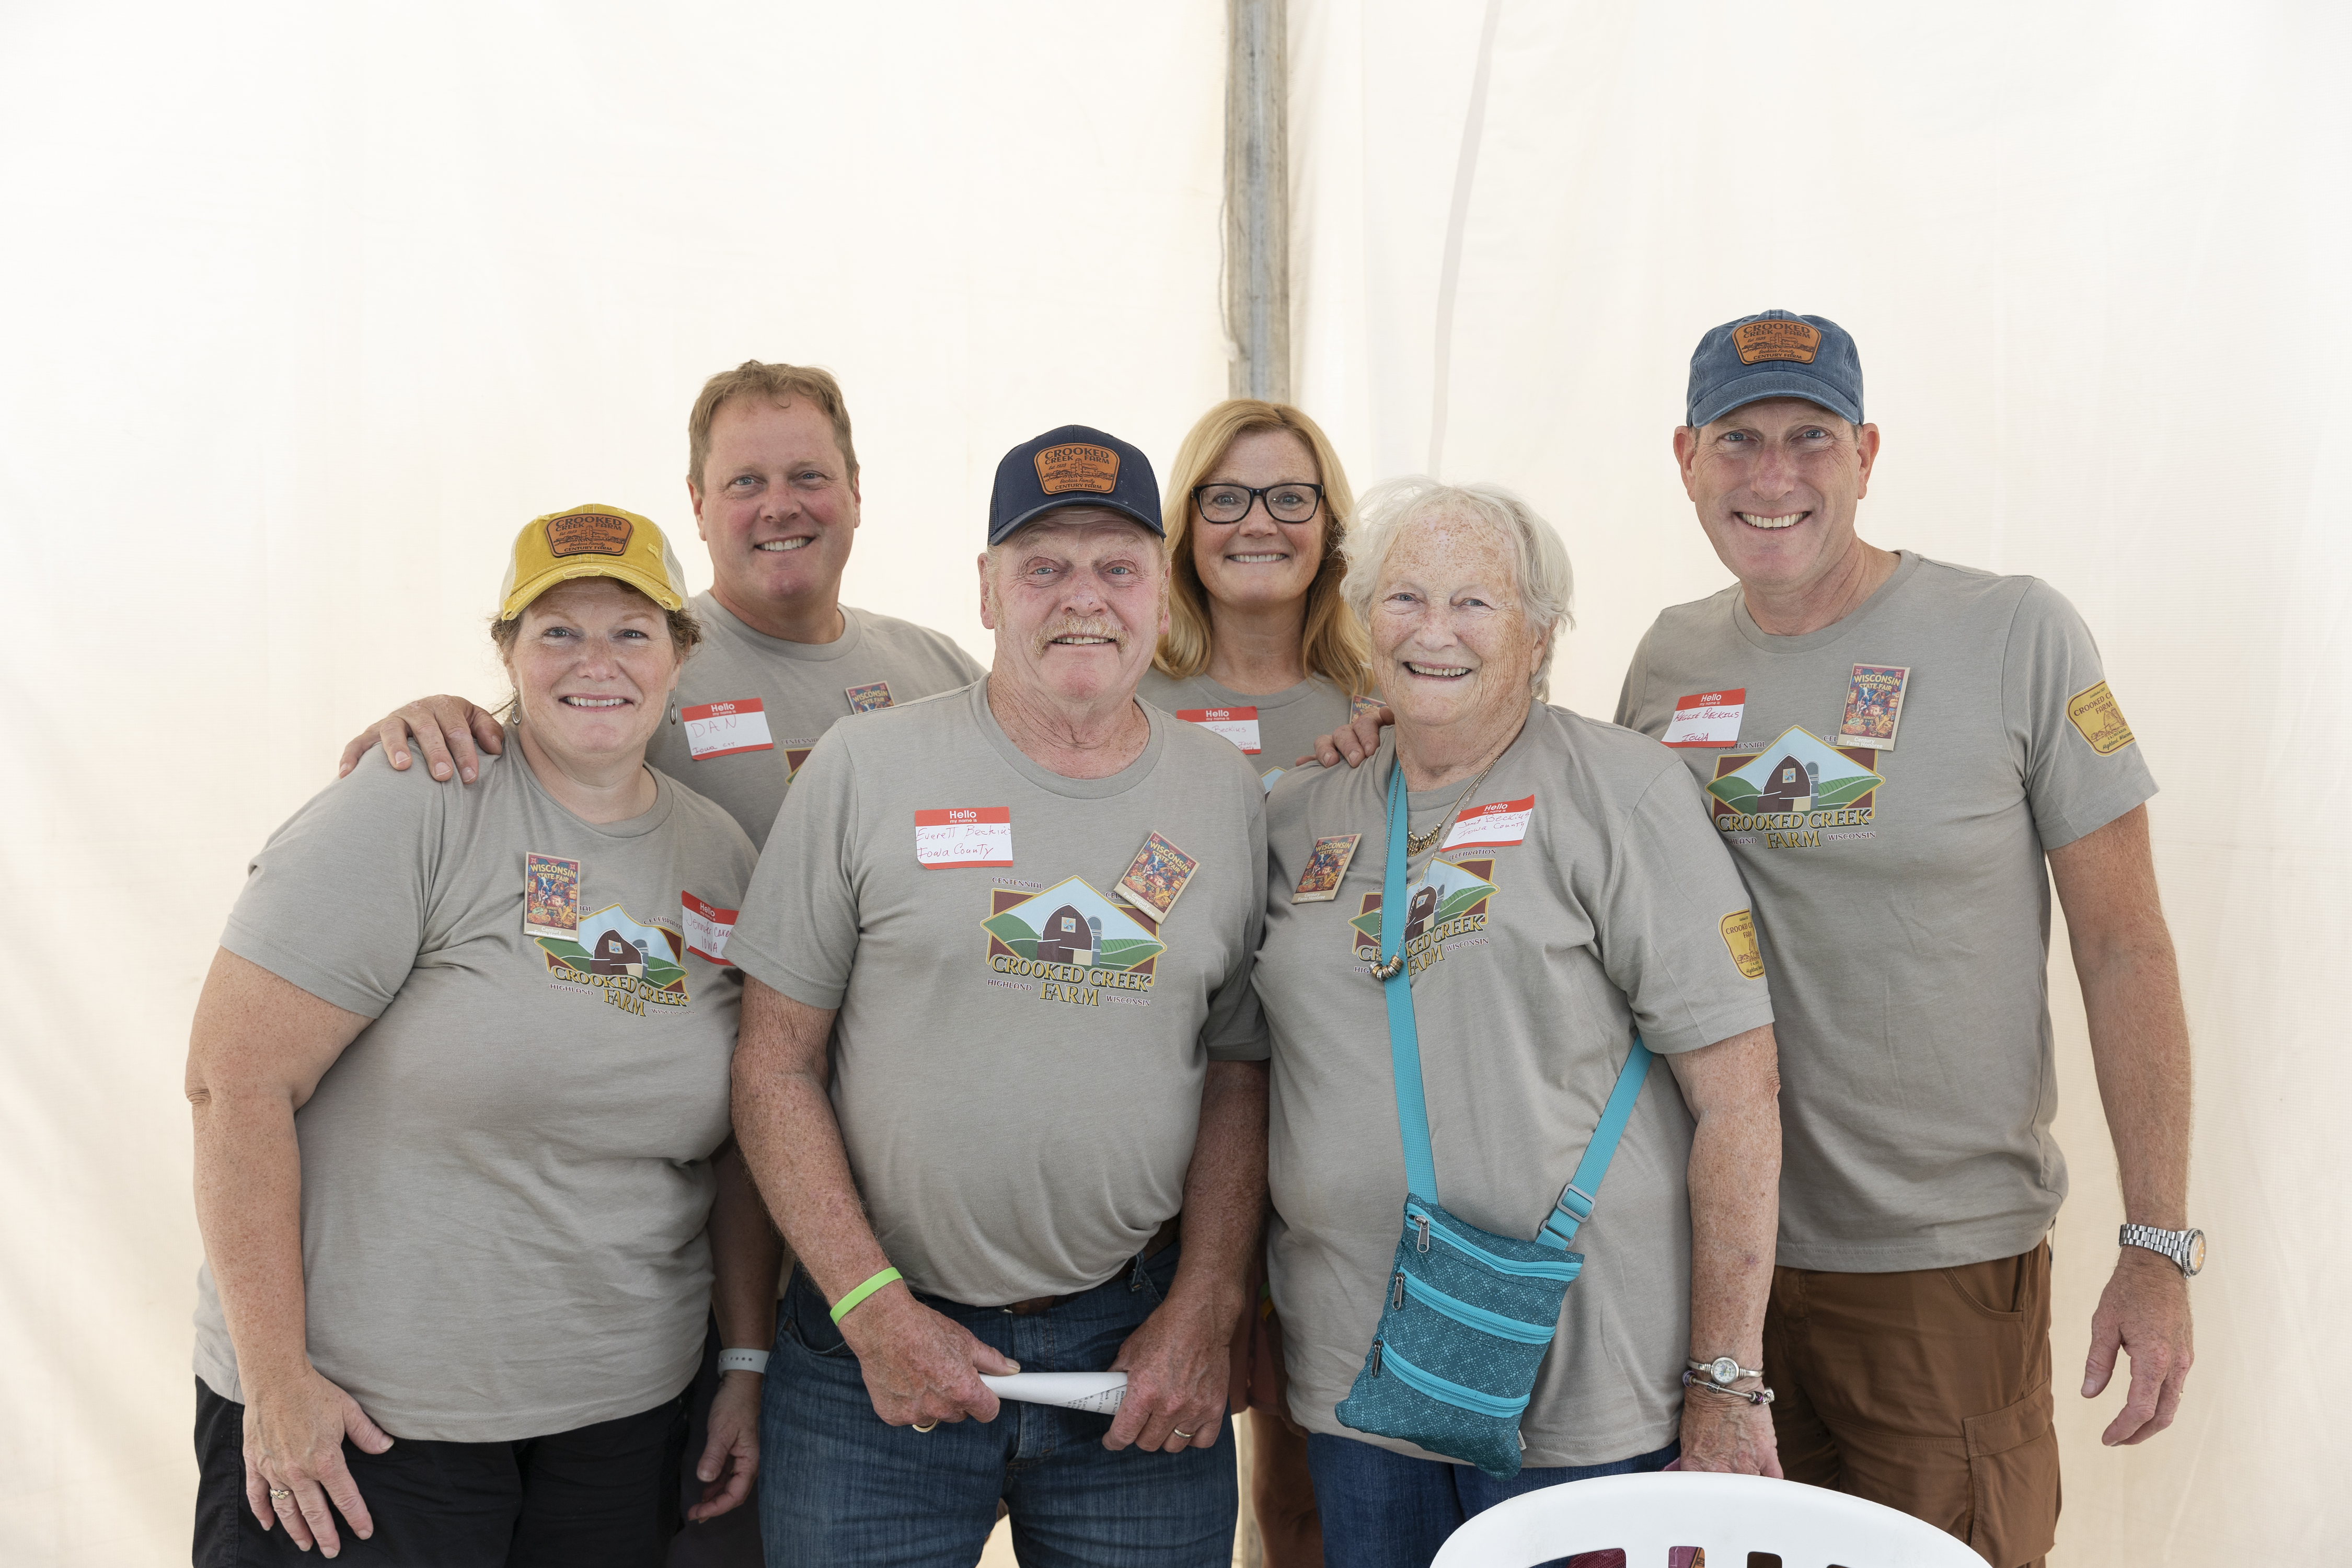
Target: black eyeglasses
(1231, 503)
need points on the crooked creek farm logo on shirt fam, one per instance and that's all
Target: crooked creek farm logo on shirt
(1797, 792)
(631, 963)
(1449, 900)
(1077, 943)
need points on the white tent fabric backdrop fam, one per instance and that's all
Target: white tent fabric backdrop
(309, 307)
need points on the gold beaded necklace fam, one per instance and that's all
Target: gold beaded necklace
(1415, 843)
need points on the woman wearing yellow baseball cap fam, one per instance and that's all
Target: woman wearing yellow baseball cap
(463, 1161)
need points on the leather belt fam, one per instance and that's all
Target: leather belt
(1160, 1241)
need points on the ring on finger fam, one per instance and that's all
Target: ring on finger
(1181, 1432)
(275, 1492)
(925, 1426)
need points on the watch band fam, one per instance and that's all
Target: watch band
(1723, 1368)
(744, 1361)
(2186, 1248)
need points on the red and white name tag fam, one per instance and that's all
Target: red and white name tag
(1238, 725)
(723, 728)
(1493, 826)
(965, 836)
(1707, 717)
(708, 926)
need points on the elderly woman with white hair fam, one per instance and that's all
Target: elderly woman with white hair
(1476, 945)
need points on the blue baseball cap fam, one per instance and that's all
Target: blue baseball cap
(1075, 465)
(1775, 354)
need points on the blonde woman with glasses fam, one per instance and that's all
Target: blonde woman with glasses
(1260, 646)
(1262, 649)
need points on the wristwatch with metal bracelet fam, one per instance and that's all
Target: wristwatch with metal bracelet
(2186, 1248)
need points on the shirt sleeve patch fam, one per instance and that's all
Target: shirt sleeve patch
(1739, 930)
(2097, 718)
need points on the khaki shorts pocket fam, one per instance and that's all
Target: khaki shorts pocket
(1994, 1289)
(2013, 1480)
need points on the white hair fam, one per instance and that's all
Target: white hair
(1545, 581)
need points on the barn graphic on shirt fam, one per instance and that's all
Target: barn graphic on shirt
(1795, 790)
(630, 962)
(1451, 899)
(1795, 772)
(1073, 941)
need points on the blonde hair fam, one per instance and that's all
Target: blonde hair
(778, 383)
(1547, 582)
(1333, 640)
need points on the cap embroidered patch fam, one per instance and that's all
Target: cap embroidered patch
(1797, 340)
(588, 534)
(1079, 466)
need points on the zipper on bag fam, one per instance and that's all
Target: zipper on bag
(1564, 1271)
(1474, 1317)
(1446, 1392)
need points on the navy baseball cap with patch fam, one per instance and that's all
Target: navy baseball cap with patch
(1075, 465)
(1775, 354)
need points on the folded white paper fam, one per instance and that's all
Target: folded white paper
(1097, 1391)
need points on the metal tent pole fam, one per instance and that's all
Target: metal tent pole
(1257, 202)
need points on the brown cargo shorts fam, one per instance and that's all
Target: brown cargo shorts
(1927, 1391)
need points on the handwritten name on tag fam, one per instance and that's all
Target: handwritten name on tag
(1238, 725)
(1494, 825)
(724, 729)
(1707, 717)
(964, 835)
(708, 926)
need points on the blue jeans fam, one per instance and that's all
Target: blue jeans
(1382, 1509)
(837, 1485)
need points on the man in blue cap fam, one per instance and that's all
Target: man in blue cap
(1001, 1076)
(1895, 749)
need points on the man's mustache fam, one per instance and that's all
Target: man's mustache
(1089, 626)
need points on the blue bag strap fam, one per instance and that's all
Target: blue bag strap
(1575, 1204)
(1404, 1039)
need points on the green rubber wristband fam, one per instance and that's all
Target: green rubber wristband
(848, 1303)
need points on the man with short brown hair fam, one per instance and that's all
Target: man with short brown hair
(774, 483)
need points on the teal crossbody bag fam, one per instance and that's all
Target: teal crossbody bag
(1468, 1315)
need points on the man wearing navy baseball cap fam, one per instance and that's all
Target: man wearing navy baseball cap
(1002, 1078)
(1893, 749)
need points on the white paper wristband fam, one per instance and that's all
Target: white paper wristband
(744, 1361)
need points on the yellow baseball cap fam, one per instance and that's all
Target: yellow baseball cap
(590, 541)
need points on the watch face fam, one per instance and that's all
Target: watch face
(2196, 1250)
(1725, 1369)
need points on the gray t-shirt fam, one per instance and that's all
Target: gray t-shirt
(1901, 892)
(1284, 726)
(1019, 1054)
(506, 1176)
(750, 708)
(1534, 964)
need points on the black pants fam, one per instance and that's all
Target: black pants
(598, 1497)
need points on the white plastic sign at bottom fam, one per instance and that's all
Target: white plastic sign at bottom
(1098, 1390)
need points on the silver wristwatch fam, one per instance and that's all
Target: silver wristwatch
(1723, 1369)
(2185, 1247)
